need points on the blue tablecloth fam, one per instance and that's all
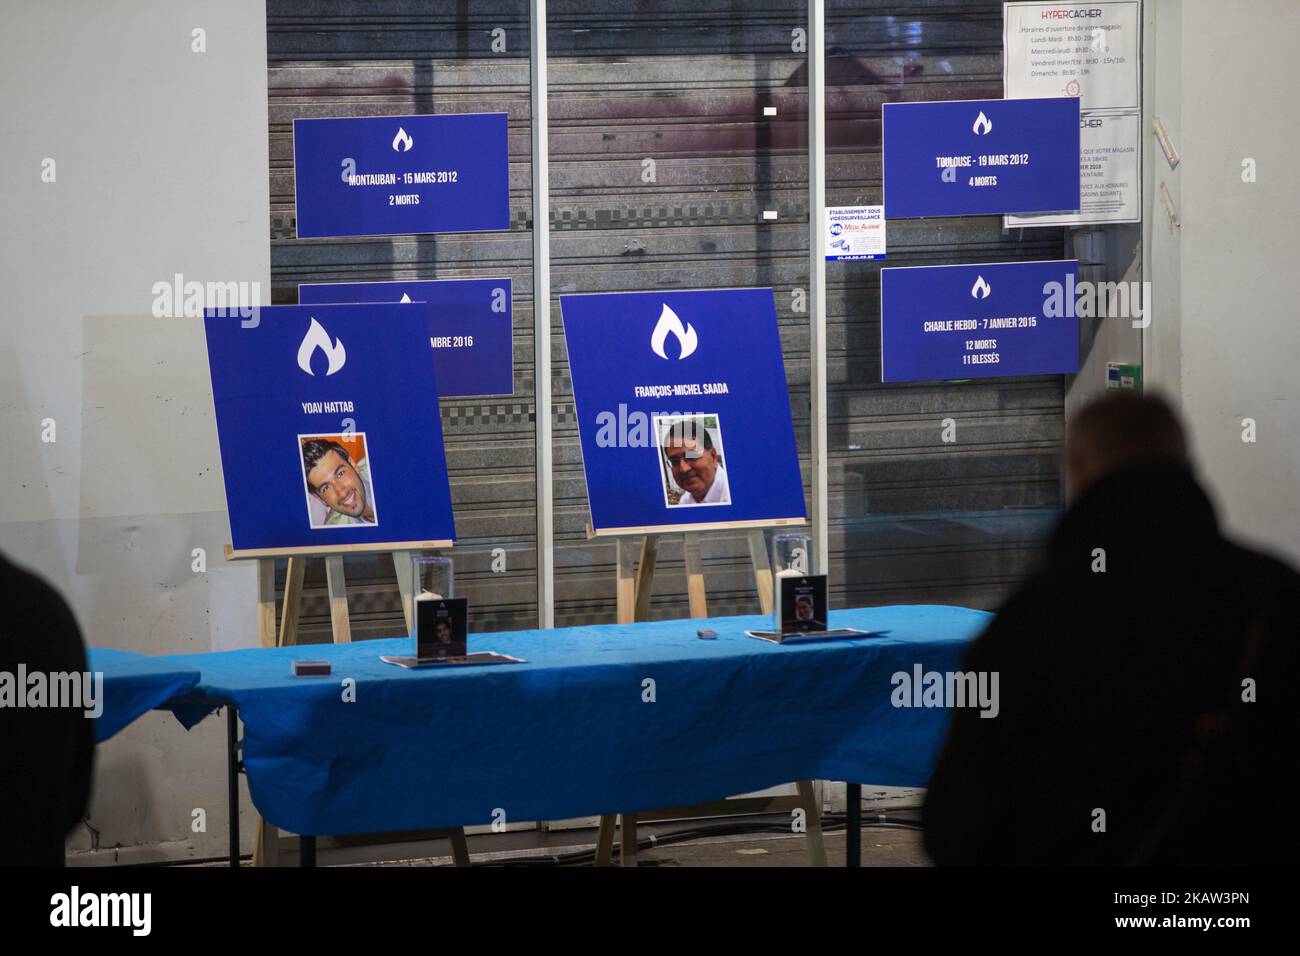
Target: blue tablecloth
(133, 684)
(569, 734)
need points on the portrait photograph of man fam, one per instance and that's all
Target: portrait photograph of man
(336, 472)
(442, 632)
(691, 459)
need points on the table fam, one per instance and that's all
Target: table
(600, 719)
(133, 684)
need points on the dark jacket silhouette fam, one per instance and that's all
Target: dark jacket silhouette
(46, 753)
(1121, 693)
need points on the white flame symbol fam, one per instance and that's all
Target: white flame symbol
(318, 338)
(670, 323)
(983, 126)
(404, 298)
(402, 141)
(981, 289)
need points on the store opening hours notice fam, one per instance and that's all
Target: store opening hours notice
(1091, 51)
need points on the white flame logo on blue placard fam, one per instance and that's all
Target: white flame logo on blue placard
(402, 141)
(670, 324)
(318, 338)
(983, 125)
(981, 289)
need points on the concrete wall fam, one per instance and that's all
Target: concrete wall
(1226, 334)
(160, 157)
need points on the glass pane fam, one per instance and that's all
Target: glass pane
(914, 518)
(345, 58)
(662, 167)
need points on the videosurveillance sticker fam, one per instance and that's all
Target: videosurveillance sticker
(855, 232)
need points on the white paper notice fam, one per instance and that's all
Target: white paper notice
(1088, 50)
(1092, 51)
(855, 232)
(1110, 170)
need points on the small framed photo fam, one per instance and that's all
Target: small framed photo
(802, 604)
(692, 463)
(441, 627)
(337, 480)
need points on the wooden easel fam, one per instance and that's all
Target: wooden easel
(633, 602)
(266, 847)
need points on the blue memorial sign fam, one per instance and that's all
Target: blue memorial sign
(392, 175)
(328, 423)
(980, 321)
(469, 327)
(683, 412)
(977, 157)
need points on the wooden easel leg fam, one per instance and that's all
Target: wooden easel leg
(266, 841)
(758, 556)
(292, 601)
(695, 577)
(627, 840)
(813, 822)
(626, 585)
(762, 570)
(633, 595)
(265, 602)
(266, 849)
(645, 575)
(459, 848)
(338, 592)
(405, 582)
(605, 839)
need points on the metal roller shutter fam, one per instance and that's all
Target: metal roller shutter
(684, 84)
